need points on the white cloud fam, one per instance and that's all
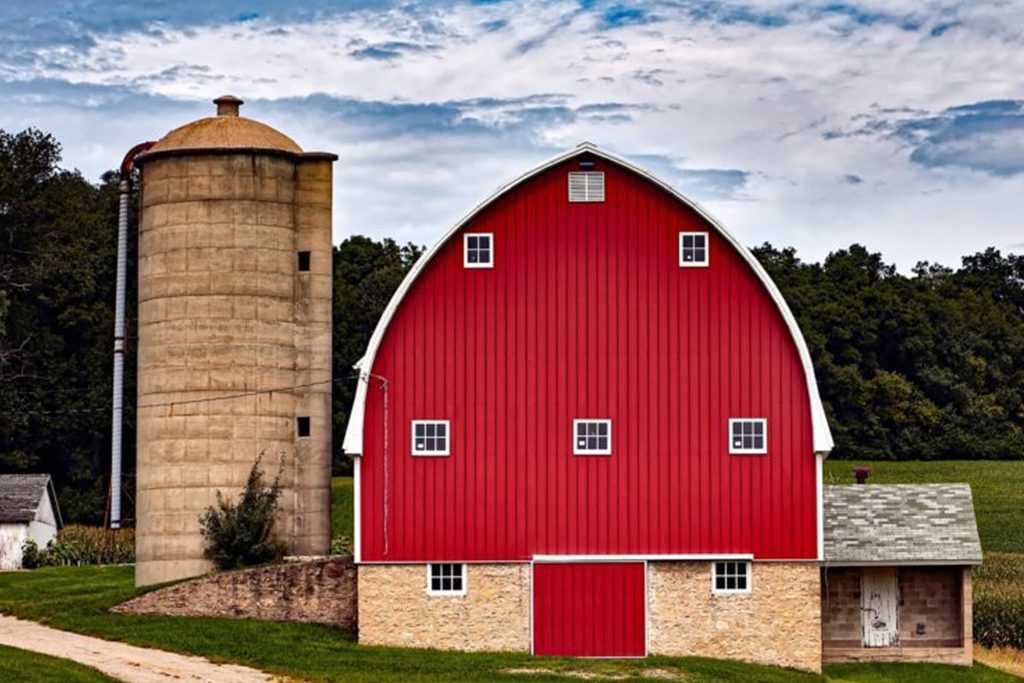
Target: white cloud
(731, 88)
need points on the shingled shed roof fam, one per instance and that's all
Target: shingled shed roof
(900, 524)
(20, 495)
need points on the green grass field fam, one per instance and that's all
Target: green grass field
(77, 598)
(29, 667)
(998, 488)
(342, 511)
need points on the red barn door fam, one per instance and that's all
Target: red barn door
(589, 609)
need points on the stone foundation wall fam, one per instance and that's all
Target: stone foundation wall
(321, 591)
(494, 614)
(778, 623)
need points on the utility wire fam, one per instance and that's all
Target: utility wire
(184, 402)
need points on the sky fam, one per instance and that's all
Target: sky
(896, 124)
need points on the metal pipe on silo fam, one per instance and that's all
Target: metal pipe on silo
(117, 417)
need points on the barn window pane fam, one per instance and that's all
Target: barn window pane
(477, 252)
(430, 437)
(446, 579)
(730, 577)
(693, 250)
(592, 437)
(748, 435)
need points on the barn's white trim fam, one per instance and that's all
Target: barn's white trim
(821, 435)
(705, 557)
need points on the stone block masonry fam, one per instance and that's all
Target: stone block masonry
(322, 591)
(494, 614)
(777, 623)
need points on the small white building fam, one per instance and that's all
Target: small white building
(28, 511)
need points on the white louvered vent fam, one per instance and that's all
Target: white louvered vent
(586, 187)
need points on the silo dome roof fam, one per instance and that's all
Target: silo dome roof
(225, 131)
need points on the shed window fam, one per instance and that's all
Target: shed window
(478, 250)
(730, 577)
(748, 435)
(592, 437)
(302, 426)
(587, 186)
(446, 579)
(693, 249)
(303, 261)
(430, 437)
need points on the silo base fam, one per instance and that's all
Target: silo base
(165, 571)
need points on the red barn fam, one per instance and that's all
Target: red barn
(589, 425)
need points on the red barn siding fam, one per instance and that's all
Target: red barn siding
(587, 314)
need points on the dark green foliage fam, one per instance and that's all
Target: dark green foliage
(31, 556)
(366, 274)
(238, 534)
(927, 366)
(999, 601)
(57, 266)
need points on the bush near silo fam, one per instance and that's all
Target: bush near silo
(999, 601)
(238, 534)
(77, 545)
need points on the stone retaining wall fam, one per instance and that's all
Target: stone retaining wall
(322, 591)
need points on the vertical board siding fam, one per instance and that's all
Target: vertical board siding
(589, 610)
(587, 314)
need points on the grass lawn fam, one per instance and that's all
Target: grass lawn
(996, 485)
(76, 598)
(342, 510)
(29, 667)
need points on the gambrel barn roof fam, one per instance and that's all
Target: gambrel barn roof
(900, 524)
(20, 495)
(821, 434)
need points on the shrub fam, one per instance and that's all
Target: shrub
(31, 557)
(238, 534)
(999, 601)
(76, 544)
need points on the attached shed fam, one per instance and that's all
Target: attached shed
(28, 511)
(896, 582)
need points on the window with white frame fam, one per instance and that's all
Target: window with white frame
(730, 578)
(693, 249)
(478, 250)
(586, 186)
(430, 437)
(592, 437)
(446, 579)
(748, 435)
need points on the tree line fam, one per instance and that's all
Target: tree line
(925, 365)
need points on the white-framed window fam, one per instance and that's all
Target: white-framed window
(730, 578)
(586, 186)
(431, 437)
(478, 250)
(592, 437)
(693, 249)
(748, 435)
(446, 578)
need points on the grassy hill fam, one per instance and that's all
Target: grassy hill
(998, 488)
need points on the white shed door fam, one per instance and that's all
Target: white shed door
(878, 608)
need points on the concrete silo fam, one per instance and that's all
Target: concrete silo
(234, 334)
